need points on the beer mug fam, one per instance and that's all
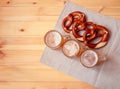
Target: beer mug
(54, 40)
(72, 48)
(90, 58)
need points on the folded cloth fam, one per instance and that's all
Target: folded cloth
(104, 76)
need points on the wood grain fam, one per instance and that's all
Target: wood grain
(32, 28)
(44, 85)
(23, 24)
(44, 3)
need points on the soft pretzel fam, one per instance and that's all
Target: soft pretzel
(78, 16)
(100, 31)
(68, 21)
(85, 31)
(80, 26)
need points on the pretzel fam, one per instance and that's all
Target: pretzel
(100, 31)
(66, 24)
(78, 16)
(79, 26)
(76, 23)
(68, 21)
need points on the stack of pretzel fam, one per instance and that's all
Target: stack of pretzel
(76, 23)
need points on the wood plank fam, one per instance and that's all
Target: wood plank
(28, 18)
(37, 40)
(23, 74)
(58, 2)
(36, 28)
(31, 3)
(33, 74)
(22, 47)
(107, 3)
(27, 66)
(45, 85)
(20, 56)
(111, 11)
(29, 11)
(43, 11)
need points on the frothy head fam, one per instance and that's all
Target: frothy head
(53, 39)
(71, 48)
(89, 58)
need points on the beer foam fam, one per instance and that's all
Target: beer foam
(89, 58)
(71, 48)
(53, 39)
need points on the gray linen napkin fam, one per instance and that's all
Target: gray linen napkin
(104, 76)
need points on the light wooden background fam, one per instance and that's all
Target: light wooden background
(23, 24)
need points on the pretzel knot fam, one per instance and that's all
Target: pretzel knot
(99, 31)
(68, 21)
(80, 28)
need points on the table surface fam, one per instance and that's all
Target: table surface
(23, 24)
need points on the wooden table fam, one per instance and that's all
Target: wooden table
(23, 24)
